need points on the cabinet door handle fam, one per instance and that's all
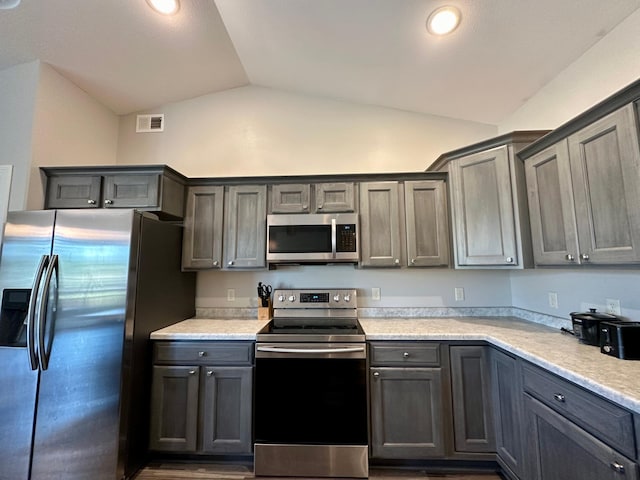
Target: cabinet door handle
(91, 202)
(320, 207)
(559, 397)
(617, 467)
(209, 373)
(569, 257)
(192, 372)
(376, 374)
(108, 202)
(396, 261)
(584, 256)
(509, 259)
(230, 263)
(413, 261)
(215, 263)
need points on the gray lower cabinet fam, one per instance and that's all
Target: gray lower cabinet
(245, 228)
(506, 394)
(154, 188)
(202, 397)
(203, 224)
(583, 195)
(560, 450)
(406, 397)
(471, 396)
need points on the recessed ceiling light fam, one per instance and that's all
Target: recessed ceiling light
(443, 20)
(166, 7)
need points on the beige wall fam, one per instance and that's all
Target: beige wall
(261, 131)
(608, 66)
(70, 128)
(18, 87)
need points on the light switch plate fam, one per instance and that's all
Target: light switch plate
(553, 299)
(375, 293)
(231, 294)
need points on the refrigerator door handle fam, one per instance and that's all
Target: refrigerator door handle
(43, 352)
(31, 314)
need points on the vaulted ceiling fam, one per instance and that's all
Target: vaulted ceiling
(375, 52)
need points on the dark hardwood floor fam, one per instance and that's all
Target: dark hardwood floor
(210, 471)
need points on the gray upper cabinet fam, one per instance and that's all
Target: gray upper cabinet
(483, 216)
(203, 223)
(489, 211)
(427, 225)
(290, 198)
(551, 209)
(380, 224)
(338, 197)
(154, 188)
(605, 168)
(245, 231)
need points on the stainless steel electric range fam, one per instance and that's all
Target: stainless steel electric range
(310, 387)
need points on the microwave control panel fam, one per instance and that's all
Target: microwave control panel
(346, 237)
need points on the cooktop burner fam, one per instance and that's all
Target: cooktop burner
(313, 315)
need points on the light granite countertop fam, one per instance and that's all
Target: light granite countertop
(615, 379)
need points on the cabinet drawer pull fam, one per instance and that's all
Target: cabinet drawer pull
(405, 354)
(559, 397)
(617, 467)
(202, 354)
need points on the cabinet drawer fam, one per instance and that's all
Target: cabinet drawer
(409, 354)
(204, 353)
(610, 423)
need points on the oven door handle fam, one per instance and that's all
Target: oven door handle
(310, 350)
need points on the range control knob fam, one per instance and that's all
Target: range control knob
(336, 298)
(292, 298)
(347, 298)
(281, 298)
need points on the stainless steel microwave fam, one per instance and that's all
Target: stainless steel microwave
(312, 238)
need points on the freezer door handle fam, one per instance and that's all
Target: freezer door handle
(43, 352)
(31, 314)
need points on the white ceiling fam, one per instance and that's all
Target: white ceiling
(370, 51)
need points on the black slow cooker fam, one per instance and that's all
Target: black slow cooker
(586, 325)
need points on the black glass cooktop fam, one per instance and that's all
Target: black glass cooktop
(310, 332)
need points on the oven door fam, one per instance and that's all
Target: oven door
(311, 394)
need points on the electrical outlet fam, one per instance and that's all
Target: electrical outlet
(613, 306)
(553, 299)
(375, 293)
(459, 294)
(231, 294)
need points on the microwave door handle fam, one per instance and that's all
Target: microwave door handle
(334, 233)
(31, 313)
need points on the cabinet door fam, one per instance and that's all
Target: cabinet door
(380, 242)
(482, 204)
(472, 418)
(560, 450)
(335, 197)
(202, 241)
(551, 209)
(290, 198)
(427, 225)
(174, 408)
(407, 420)
(73, 191)
(226, 410)
(131, 191)
(605, 165)
(506, 387)
(245, 231)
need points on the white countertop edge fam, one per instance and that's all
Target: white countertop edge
(585, 382)
(203, 336)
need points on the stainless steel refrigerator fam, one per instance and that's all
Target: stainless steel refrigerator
(81, 291)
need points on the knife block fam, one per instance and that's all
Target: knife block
(265, 313)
